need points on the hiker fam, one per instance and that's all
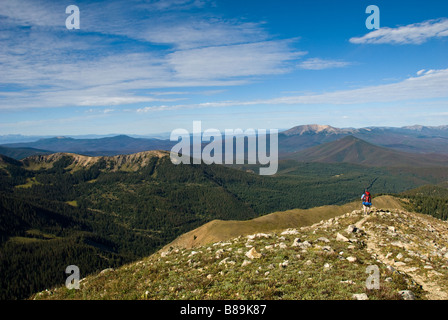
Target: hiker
(366, 201)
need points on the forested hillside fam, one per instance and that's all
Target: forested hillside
(96, 213)
(429, 199)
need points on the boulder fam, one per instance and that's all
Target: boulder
(253, 254)
(340, 237)
(360, 296)
(323, 239)
(407, 295)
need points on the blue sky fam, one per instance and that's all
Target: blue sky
(144, 67)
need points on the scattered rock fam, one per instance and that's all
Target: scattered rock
(281, 245)
(245, 263)
(360, 296)
(296, 242)
(253, 254)
(164, 254)
(302, 245)
(193, 253)
(290, 232)
(407, 295)
(218, 253)
(258, 235)
(340, 237)
(351, 259)
(323, 239)
(390, 269)
(328, 249)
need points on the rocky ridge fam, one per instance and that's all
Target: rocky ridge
(328, 260)
(129, 162)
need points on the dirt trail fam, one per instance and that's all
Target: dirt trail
(434, 292)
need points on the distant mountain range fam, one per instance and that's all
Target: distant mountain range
(356, 151)
(108, 146)
(105, 211)
(412, 139)
(416, 139)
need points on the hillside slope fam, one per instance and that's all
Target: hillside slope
(21, 153)
(353, 150)
(327, 260)
(219, 230)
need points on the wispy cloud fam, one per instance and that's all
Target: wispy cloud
(242, 60)
(196, 32)
(32, 13)
(431, 85)
(416, 33)
(164, 5)
(321, 64)
(428, 86)
(48, 66)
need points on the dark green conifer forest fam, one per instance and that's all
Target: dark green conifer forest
(97, 218)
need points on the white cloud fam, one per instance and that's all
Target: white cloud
(242, 60)
(420, 72)
(33, 13)
(218, 104)
(416, 33)
(163, 5)
(199, 32)
(429, 86)
(321, 64)
(50, 67)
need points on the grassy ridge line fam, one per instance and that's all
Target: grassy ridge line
(307, 263)
(219, 230)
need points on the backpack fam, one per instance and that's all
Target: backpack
(367, 197)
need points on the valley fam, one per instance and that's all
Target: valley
(106, 211)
